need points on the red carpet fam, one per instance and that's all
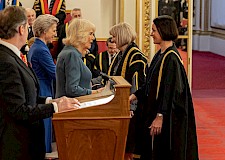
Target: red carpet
(210, 118)
(209, 102)
(208, 71)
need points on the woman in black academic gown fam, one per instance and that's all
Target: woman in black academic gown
(168, 114)
(130, 63)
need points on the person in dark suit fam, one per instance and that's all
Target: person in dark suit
(31, 16)
(104, 59)
(42, 63)
(22, 110)
(73, 77)
(5, 3)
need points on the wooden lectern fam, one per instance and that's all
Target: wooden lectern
(98, 132)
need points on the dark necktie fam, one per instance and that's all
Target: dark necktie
(112, 56)
(51, 6)
(30, 33)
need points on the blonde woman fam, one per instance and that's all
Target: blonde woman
(129, 63)
(73, 78)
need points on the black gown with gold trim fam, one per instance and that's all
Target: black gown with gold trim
(41, 7)
(167, 91)
(131, 67)
(102, 61)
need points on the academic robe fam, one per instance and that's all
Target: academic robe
(132, 68)
(167, 91)
(41, 7)
(102, 61)
(14, 3)
(89, 61)
(61, 33)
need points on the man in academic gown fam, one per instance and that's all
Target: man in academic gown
(104, 59)
(49, 7)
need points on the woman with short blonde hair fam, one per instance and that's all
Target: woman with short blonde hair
(77, 32)
(129, 63)
(123, 33)
(73, 77)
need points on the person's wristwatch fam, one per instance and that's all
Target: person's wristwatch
(159, 115)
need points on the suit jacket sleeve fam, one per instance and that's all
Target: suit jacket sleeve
(14, 99)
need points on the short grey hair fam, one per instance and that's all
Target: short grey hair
(43, 23)
(124, 34)
(30, 10)
(78, 32)
(10, 19)
(75, 9)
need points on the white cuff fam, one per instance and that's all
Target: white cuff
(48, 100)
(55, 107)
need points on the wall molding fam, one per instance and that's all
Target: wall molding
(146, 5)
(220, 35)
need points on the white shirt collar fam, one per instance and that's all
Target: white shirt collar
(110, 57)
(49, 1)
(11, 47)
(6, 3)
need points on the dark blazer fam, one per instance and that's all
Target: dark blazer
(30, 33)
(21, 110)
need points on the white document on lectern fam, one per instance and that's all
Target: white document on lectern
(96, 102)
